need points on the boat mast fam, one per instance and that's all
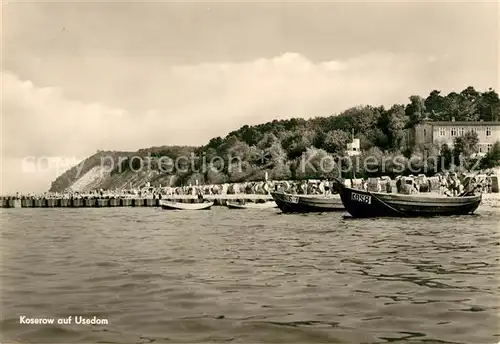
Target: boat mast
(353, 168)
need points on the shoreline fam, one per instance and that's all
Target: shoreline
(491, 199)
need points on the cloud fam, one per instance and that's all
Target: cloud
(189, 104)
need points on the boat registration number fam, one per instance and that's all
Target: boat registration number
(361, 198)
(291, 199)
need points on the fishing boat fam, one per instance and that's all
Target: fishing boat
(307, 203)
(186, 206)
(364, 204)
(251, 205)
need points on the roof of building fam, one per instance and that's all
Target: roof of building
(462, 123)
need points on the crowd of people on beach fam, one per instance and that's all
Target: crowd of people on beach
(446, 183)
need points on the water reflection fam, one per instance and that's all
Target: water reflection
(224, 276)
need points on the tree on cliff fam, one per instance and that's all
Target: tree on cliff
(416, 110)
(436, 105)
(335, 142)
(392, 124)
(297, 142)
(492, 158)
(466, 144)
(489, 106)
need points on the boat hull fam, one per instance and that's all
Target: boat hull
(365, 204)
(186, 206)
(236, 205)
(306, 204)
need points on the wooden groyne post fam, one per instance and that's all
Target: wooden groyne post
(107, 202)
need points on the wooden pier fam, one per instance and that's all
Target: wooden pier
(106, 202)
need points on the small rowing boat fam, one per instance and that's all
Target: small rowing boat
(363, 204)
(186, 206)
(307, 203)
(251, 205)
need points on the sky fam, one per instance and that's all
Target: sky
(116, 75)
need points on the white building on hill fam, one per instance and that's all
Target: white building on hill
(353, 148)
